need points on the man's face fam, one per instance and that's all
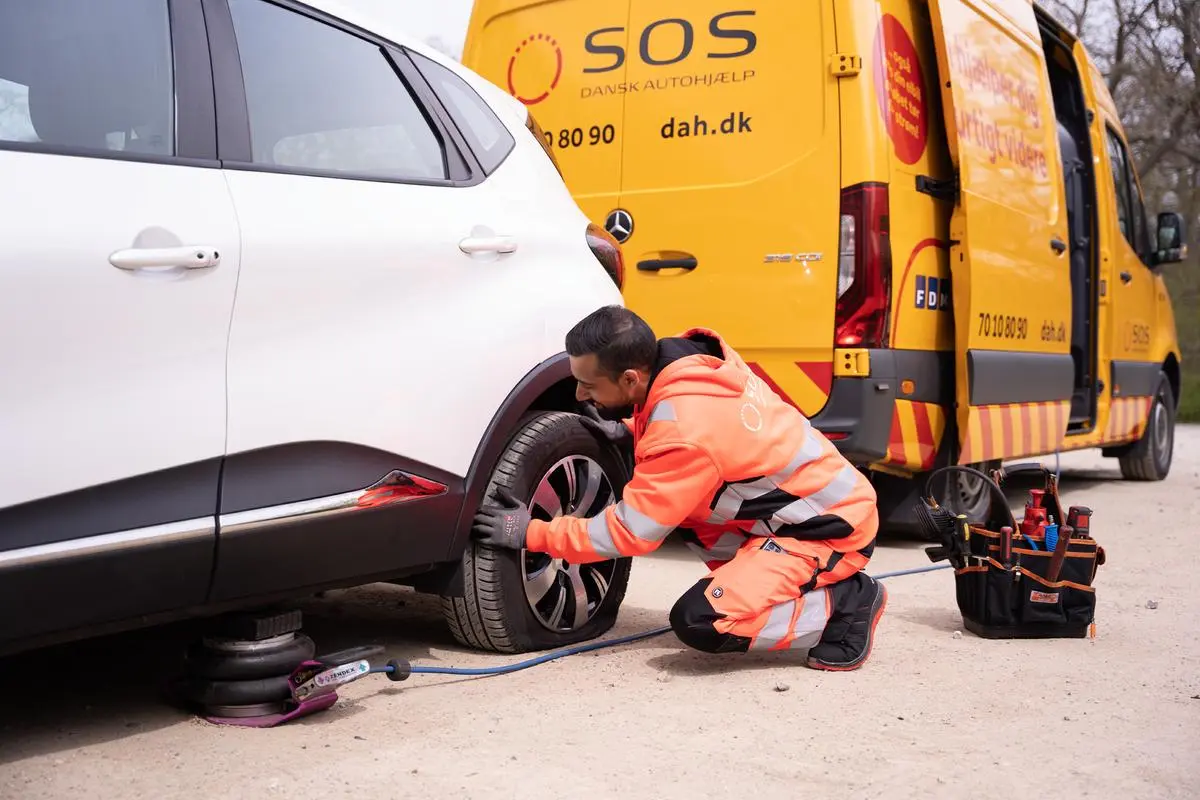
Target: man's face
(614, 399)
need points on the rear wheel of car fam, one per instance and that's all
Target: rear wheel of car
(963, 493)
(521, 601)
(1149, 459)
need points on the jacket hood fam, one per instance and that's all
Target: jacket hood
(697, 362)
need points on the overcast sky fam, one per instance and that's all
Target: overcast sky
(446, 19)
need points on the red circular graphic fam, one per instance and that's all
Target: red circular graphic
(546, 44)
(900, 86)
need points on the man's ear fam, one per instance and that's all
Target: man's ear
(630, 378)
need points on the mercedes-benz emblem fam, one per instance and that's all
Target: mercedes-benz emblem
(620, 224)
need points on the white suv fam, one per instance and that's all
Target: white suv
(282, 295)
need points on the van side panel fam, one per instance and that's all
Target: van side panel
(730, 175)
(566, 61)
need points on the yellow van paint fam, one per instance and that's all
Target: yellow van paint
(647, 105)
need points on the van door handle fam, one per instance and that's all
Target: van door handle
(149, 257)
(1126, 277)
(488, 244)
(1058, 245)
(654, 265)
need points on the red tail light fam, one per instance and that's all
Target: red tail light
(864, 267)
(607, 251)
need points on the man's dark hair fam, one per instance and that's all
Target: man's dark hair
(619, 339)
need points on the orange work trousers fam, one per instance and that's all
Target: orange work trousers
(774, 593)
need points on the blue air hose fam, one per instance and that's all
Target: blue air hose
(404, 669)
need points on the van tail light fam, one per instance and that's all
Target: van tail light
(543, 140)
(607, 251)
(864, 267)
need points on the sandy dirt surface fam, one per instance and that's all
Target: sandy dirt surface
(931, 715)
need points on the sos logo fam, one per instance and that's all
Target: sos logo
(717, 29)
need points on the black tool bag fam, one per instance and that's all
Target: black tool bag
(1026, 592)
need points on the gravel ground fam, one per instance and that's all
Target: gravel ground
(933, 714)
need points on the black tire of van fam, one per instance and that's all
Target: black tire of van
(495, 613)
(1149, 459)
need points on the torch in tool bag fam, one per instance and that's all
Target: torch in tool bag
(1027, 579)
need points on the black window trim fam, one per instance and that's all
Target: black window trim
(449, 117)
(194, 108)
(233, 131)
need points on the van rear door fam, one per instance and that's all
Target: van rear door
(1009, 265)
(566, 61)
(730, 181)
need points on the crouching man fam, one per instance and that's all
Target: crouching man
(783, 521)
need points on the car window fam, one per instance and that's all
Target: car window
(77, 74)
(1131, 207)
(321, 99)
(483, 130)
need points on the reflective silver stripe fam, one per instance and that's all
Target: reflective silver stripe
(795, 513)
(724, 549)
(777, 627)
(762, 528)
(811, 622)
(109, 543)
(662, 412)
(730, 501)
(640, 525)
(838, 490)
(599, 536)
(809, 452)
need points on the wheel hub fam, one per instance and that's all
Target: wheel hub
(564, 596)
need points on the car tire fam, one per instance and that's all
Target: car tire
(1149, 459)
(499, 610)
(223, 664)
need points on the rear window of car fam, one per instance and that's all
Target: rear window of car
(485, 133)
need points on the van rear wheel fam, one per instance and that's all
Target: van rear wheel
(1149, 459)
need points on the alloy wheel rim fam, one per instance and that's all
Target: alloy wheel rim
(1162, 432)
(563, 596)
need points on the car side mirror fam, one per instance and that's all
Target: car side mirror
(1171, 247)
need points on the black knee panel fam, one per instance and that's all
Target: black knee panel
(692, 619)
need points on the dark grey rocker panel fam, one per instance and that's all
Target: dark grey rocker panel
(1005, 376)
(181, 493)
(862, 407)
(283, 537)
(1135, 378)
(85, 582)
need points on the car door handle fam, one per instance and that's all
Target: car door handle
(654, 265)
(148, 257)
(488, 244)
(1126, 277)
(1058, 245)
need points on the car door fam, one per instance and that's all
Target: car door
(1008, 256)
(117, 282)
(1134, 372)
(376, 266)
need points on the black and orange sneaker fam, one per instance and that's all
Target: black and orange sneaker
(858, 603)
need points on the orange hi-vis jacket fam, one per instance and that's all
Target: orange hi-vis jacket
(719, 453)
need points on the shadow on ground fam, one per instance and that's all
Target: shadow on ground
(87, 693)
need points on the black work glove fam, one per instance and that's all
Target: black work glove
(503, 525)
(616, 433)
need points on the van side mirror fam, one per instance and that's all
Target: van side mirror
(1171, 247)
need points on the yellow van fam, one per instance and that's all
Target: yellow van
(919, 221)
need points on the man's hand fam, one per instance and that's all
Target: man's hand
(504, 525)
(616, 433)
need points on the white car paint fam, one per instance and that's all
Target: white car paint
(106, 373)
(356, 316)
